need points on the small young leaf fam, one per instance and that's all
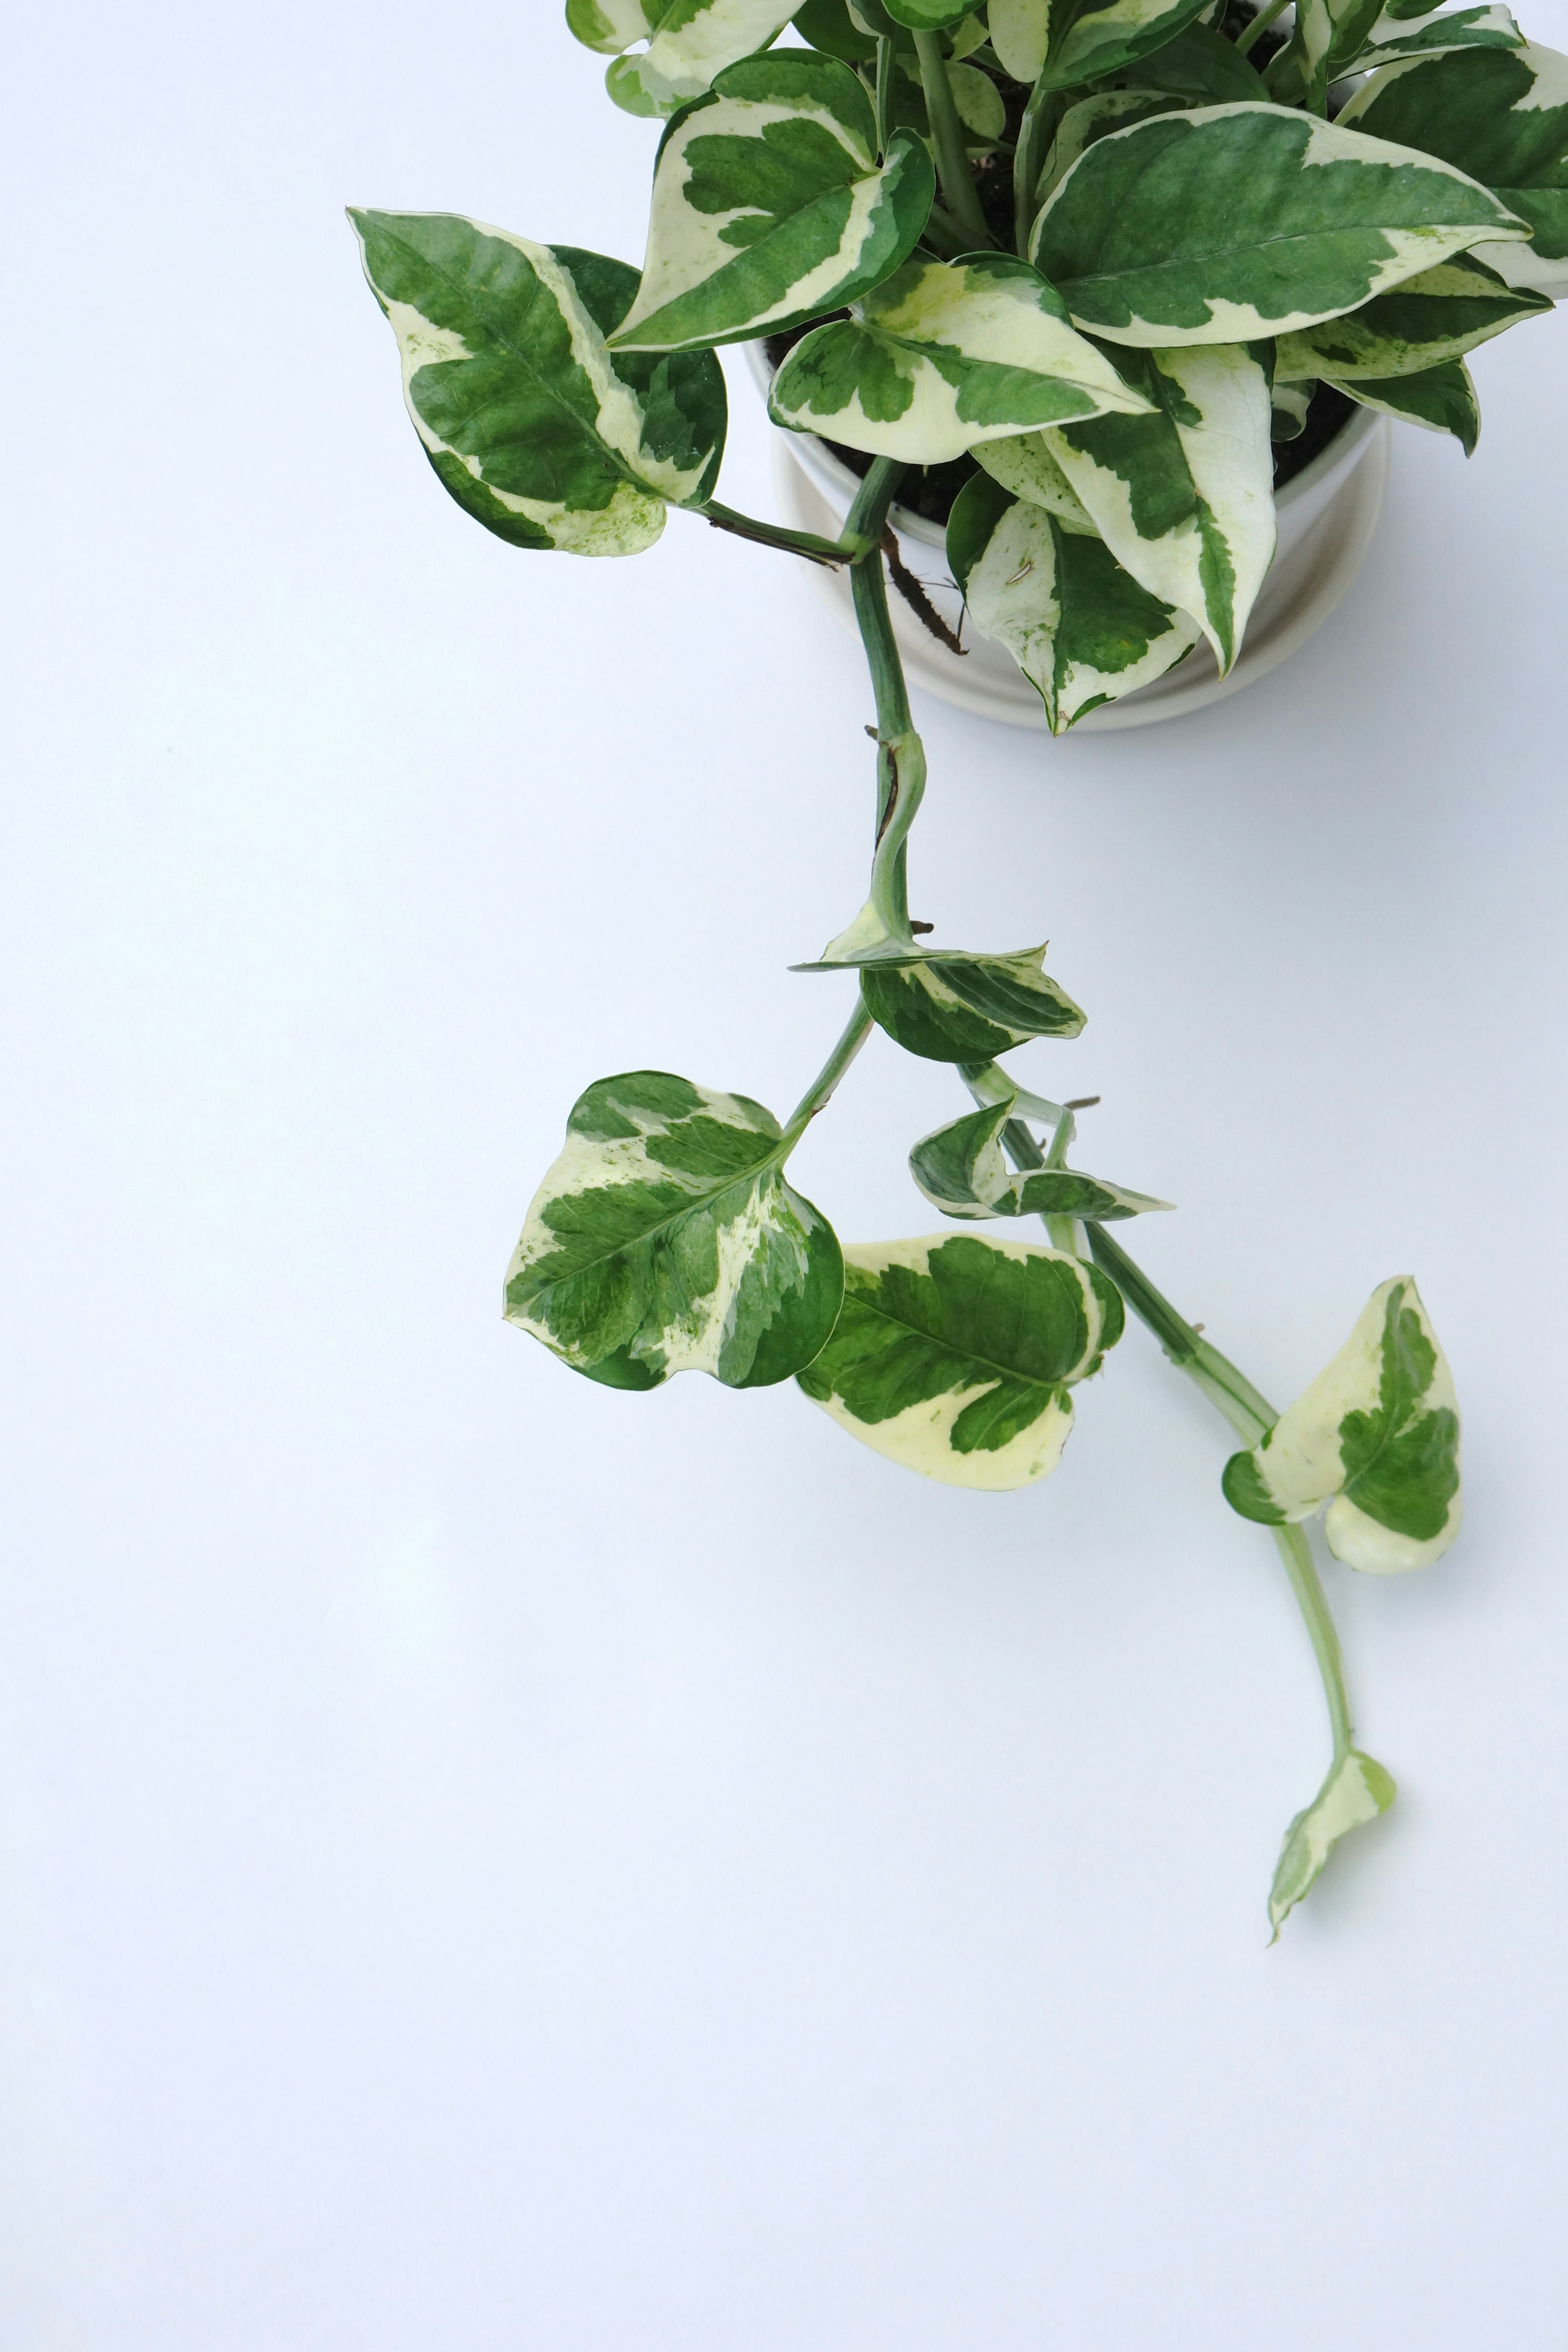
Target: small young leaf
(1081, 628)
(1233, 223)
(1184, 496)
(696, 39)
(1089, 43)
(540, 433)
(1501, 115)
(1200, 66)
(946, 355)
(1379, 1431)
(612, 25)
(966, 1008)
(1289, 403)
(1024, 465)
(828, 27)
(665, 1240)
(769, 205)
(1020, 35)
(962, 1170)
(954, 1355)
(1393, 37)
(1356, 1790)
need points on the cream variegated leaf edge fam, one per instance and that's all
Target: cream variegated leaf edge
(695, 40)
(1183, 498)
(1439, 315)
(611, 26)
(858, 223)
(1376, 1436)
(954, 1355)
(1356, 1791)
(943, 357)
(963, 1170)
(665, 1239)
(1023, 464)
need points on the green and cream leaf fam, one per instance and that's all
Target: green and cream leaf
(962, 1170)
(612, 25)
(966, 1008)
(1230, 224)
(1433, 36)
(693, 43)
(1096, 117)
(665, 1239)
(1082, 629)
(769, 205)
(1087, 44)
(536, 428)
(1441, 399)
(1376, 1436)
(943, 357)
(954, 1355)
(1438, 316)
(1183, 495)
(1024, 465)
(1356, 1790)
(1500, 115)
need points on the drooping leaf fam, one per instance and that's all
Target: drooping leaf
(1437, 316)
(1501, 116)
(943, 356)
(1024, 465)
(1290, 401)
(1081, 628)
(1356, 1790)
(1184, 496)
(1378, 1432)
(1442, 399)
(695, 40)
(612, 25)
(1233, 223)
(962, 1170)
(537, 430)
(1335, 39)
(769, 205)
(964, 1008)
(665, 1240)
(927, 15)
(954, 1355)
(828, 26)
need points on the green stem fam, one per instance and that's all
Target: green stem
(900, 755)
(886, 67)
(1035, 134)
(1252, 1416)
(1260, 23)
(820, 1092)
(773, 534)
(944, 236)
(958, 188)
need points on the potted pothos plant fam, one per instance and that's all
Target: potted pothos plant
(1083, 273)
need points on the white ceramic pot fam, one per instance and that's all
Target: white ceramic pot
(1327, 516)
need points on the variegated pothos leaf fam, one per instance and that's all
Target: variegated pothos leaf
(769, 206)
(665, 1239)
(954, 1355)
(1442, 399)
(962, 1170)
(1230, 224)
(536, 429)
(964, 1008)
(1378, 1433)
(612, 25)
(1024, 465)
(1434, 33)
(693, 43)
(1183, 495)
(1096, 117)
(1501, 116)
(1356, 1790)
(943, 356)
(1082, 630)
(1438, 316)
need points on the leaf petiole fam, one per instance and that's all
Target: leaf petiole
(957, 181)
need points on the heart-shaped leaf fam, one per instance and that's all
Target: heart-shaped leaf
(769, 205)
(954, 1355)
(1378, 1430)
(537, 429)
(665, 1240)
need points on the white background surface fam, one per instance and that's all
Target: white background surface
(490, 1864)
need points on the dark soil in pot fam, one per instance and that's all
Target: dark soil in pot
(929, 490)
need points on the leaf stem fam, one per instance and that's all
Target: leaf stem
(900, 755)
(820, 1092)
(958, 188)
(1260, 23)
(773, 534)
(1251, 1415)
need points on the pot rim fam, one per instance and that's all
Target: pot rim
(814, 454)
